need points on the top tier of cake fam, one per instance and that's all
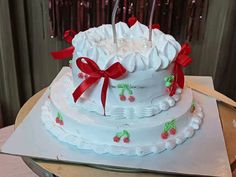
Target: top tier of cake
(141, 92)
(134, 51)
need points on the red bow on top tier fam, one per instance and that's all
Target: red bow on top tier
(182, 60)
(89, 67)
(67, 52)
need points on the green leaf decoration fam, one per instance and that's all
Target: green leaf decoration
(167, 84)
(123, 133)
(119, 134)
(125, 87)
(130, 92)
(59, 116)
(70, 61)
(168, 80)
(169, 125)
(126, 133)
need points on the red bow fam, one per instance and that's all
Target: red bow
(67, 52)
(91, 68)
(182, 60)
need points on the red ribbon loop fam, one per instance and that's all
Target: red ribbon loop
(67, 52)
(182, 60)
(89, 67)
(69, 35)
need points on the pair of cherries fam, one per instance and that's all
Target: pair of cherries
(164, 135)
(130, 98)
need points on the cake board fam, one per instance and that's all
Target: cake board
(204, 154)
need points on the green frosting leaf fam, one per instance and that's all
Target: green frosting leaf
(125, 87)
(59, 116)
(126, 133)
(167, 84)
(119, 134)
(169, 125)
(123, 133)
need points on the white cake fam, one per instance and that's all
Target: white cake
(140, 115)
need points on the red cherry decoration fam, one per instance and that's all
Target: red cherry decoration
(81, 75)
(168, 89)
(172, 131)
(192, 109)
(86, 76)
(116, 139)
(58, 120)
(131, 98)
(164, 135)
(122, 97)
(132, 21)
(61, 122)
(156, 26)
(126, 140)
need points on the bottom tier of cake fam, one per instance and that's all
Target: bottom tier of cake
(87, 130)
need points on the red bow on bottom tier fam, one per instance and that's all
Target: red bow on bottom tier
(90, 68)
(182, 60)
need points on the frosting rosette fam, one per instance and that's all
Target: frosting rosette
(133, 50)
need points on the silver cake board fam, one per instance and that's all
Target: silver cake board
(203, 154)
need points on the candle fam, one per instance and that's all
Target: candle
(150, 20)
(113, 22)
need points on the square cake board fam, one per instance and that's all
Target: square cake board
(204, 154)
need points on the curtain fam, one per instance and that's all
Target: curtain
(25, 44)
(25, 64)
(10, 100)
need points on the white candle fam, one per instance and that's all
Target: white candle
(113, 18)
(150, 20)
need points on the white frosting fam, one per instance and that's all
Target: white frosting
(134, 50)
(88, 130)
(125, 46)
(142, 113)
(147, 63)
(142, 140)
(147, 103)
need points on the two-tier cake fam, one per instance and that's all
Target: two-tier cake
(123, 99)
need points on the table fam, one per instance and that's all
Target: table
(10, 165)
(46, 168)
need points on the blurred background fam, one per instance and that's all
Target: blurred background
(31, 29)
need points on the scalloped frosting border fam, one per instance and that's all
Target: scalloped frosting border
(67, 137)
